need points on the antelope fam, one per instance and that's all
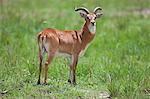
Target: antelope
(70, 42)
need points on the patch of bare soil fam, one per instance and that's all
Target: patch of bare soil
(145, 11)
(141, 11)
(147, 91)
(3, 93)
(93, 94)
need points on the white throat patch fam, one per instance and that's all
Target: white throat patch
(92, 28)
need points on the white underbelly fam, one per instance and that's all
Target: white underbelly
(60, 54)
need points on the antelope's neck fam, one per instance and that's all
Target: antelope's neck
(88, 34)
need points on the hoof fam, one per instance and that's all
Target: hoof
(45, 83)
(38, 83)
(74, 83)
(69, 81)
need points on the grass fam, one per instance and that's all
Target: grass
(117, 62)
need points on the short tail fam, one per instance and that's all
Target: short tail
(43, 40)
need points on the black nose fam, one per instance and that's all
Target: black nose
(93, 23)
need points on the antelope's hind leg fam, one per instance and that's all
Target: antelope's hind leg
(41, 54)
(49, 60)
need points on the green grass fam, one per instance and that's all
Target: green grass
(117, 61)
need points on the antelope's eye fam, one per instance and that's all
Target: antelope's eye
(87, 17)
(94, 18)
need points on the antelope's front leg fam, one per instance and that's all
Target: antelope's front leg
(72, 76)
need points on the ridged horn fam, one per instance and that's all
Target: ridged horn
(83, 9)
(96, 9)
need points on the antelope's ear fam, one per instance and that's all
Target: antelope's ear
(98, 15)
(83, 14)
(97, 11)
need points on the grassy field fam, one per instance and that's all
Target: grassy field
(117, 62)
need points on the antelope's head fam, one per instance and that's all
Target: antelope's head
(90, 17)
